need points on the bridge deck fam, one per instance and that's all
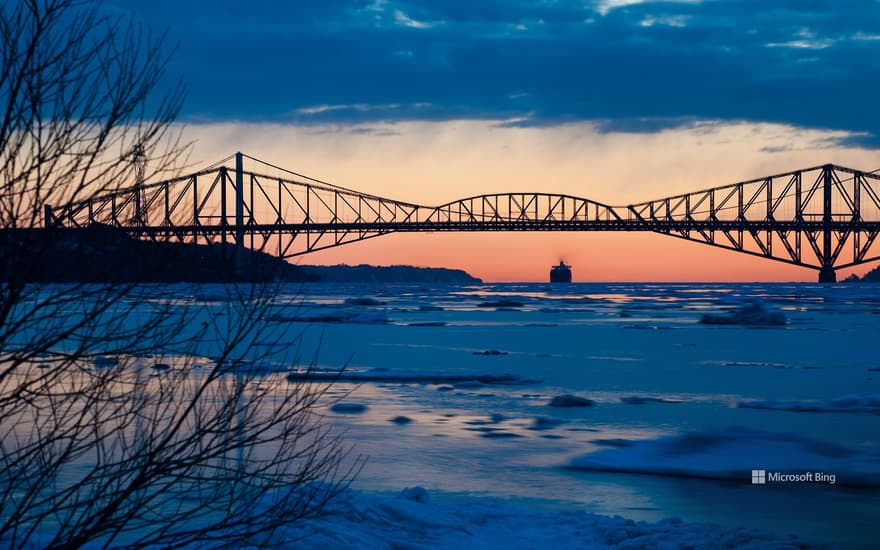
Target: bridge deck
(824, 217)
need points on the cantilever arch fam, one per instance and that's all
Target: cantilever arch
(824, 217)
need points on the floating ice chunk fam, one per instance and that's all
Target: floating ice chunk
(753, 364)
(734, 453)
(362, 301)
(411, 521)
(642, 400)
(332, 316)
(411, 377)
(569, 400)
(848, 402)
(845, 403)
(348, 408)
(416, 494)
(490, 352)
(751, 313)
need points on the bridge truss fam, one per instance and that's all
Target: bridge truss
(825, 217)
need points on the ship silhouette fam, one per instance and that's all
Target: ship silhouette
(560, 273)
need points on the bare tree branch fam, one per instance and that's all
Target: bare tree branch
(127, 418)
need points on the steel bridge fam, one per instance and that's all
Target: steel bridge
(825, 217)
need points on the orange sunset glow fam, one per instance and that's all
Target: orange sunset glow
(434, 163)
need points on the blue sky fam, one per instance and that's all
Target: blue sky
(625, 65)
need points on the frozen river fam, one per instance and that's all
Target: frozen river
(764, 422)
(682, 411)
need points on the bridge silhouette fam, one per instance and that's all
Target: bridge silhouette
(825, 217)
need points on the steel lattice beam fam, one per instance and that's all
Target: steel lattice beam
(824, 217)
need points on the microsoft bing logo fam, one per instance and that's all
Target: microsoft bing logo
(759, 477)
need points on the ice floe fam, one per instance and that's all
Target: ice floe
(362, 301)
(751, 313)
(411, 520)
(348, 408)
(569, 400)
(642, 400)
(416, 494)
(332, 316)
(408, 377)
(490, 352)
(733, 454)
(845, 403)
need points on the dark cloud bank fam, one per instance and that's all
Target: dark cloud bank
(637, 67)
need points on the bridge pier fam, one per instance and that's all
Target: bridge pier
(827, 275)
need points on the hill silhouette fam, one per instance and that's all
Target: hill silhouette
(101, 253)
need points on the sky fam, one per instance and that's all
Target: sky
(614, 100)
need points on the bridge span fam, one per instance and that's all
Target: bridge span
(825, 217)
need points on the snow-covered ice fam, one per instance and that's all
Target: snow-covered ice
(642, 400)
(658, 392)
(752, 313)
(845, 403)
(409, 377)
(502, 468)
(411, 520)
(348, 408)
(569, 400)
(734, 453)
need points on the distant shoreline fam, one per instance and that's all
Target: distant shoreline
(104, 254)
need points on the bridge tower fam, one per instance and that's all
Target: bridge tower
(239, 199)
(140, 173)
(826, 272)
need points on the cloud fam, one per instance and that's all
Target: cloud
(358, 107)
(669, 20)
(810, 64)
(605, 6)
(406, 21)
